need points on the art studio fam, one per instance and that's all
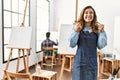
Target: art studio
(59, 40)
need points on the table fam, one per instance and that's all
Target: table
(45, 75)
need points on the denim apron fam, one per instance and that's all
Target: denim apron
(85, 62)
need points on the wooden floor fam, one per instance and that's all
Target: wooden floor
(57, 68)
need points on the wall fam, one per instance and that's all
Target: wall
(106, 11)
(117, 37)
(52, 28)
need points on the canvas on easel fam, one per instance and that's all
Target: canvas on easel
(20, 37)
(64, 35)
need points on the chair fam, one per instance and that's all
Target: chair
(52, 57)
(12, 76)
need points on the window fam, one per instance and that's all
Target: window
(43, 11)
(13, 12)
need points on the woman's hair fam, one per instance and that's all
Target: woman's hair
(94, 23)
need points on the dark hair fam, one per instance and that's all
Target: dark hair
(48, 34)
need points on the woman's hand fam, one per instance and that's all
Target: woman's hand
(78, 27)
(101, 27)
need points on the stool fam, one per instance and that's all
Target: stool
(52, 57)
(68, 63)
(109, 64)
(45, 75)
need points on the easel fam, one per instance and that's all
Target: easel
(25, 59)
(70, 56)
(25, 56)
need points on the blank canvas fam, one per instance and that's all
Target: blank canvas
(64, 35)
(20, 37)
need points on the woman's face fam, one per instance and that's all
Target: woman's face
(88, 15)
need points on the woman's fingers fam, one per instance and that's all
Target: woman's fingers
(101, 27)
(78, 27)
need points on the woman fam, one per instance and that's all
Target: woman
(88, 34)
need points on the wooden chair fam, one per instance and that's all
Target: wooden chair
(14, 76)
(52, 57)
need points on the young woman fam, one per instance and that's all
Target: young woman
(88, 34)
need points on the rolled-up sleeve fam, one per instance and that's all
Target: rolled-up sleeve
(102, 40)
(73, 38)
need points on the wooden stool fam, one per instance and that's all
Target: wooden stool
(45, 75)
(68, 68)
(108, 65)
(52, 57)
(99, 63)
(60, 58)
(68, 63)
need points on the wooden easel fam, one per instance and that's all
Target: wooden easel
(25, 56)
(25, 59)
(71, 55)
(23, 23)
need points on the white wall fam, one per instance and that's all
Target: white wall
(52, 28)
(106, 11)
(117, 37)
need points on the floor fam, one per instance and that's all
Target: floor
(57, 68)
